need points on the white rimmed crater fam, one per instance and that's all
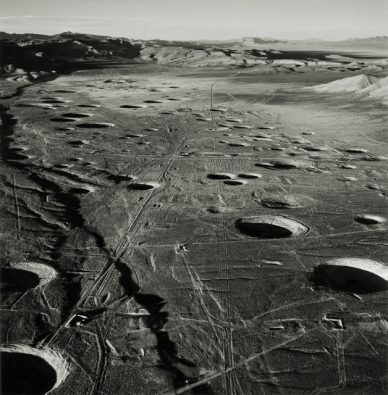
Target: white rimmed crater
(352, 274)
(22, 276)
(29, 370)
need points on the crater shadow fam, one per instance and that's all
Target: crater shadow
(17, 280)
(26, 374)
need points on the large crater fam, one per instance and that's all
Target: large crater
(31, 371)
(352, 274)
(271, 226)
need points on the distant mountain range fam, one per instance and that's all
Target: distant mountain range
(41, 52)
(375, 38)
(244, 40)
(55, 37)
(64, 51)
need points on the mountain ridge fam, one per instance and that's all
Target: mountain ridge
(253, 39)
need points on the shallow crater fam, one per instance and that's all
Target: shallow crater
(120, 177)
(55, 101)
(250, 175)
(99, 125)
(238, 144)
(133, 106)
(356, 150)
(285, 164)
(221, 176)
(76, 115)
(370, 219)
(279, 202)
(153, 101)
(88, 105)
(142, 186)
(243, 126)
(59, 119)
(235, 182)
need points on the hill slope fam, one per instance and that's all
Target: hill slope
(363, 85)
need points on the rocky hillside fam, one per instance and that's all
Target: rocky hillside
(38, 52)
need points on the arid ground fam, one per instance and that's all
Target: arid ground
(205, 230)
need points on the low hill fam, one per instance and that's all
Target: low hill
(364, 85)
(350, 84)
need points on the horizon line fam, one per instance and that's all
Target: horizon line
(206, 39)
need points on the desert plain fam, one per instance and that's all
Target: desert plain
(208, 229)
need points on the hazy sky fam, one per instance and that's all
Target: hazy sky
(199, 19)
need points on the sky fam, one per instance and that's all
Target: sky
(199, 19)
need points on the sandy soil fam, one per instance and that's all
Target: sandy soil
(185, 241)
